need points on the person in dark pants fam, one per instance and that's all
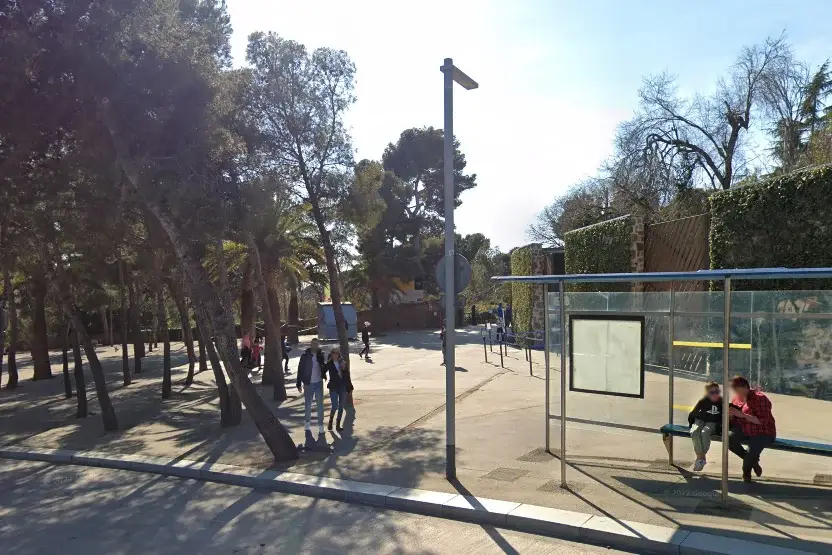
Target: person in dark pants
(285, 349)
(753, 422)
(508, 316)
(473, 315)
(339, 385)
(365, 338)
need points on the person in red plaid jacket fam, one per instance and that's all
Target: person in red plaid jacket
(751, 422)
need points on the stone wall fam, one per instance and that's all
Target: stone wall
(637, 237)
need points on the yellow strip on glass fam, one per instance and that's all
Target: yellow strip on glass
(710, 345)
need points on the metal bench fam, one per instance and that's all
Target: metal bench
(780, 444)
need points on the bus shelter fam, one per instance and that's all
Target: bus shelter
(606, 342)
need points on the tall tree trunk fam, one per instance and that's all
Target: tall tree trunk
(203, 361)
(248, 307)
(80, 384)
(102, 312)
(334, 283)
(235, 415)
(161, 315)
(125, 358)
(231, 410)
(267, 286)
(13, 331)
(294, 314)
(65, 360)
(216, 302)
(40, 338)
(187, 333)
(138, 341)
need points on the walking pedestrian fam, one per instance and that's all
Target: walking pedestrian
(365, 338)
(285, 348)
(311, 374)
(473, 315)
(442, 334)
(339, 385)
(508, 316)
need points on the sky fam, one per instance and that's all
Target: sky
(556, 77)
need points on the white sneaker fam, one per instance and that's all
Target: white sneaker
(698, 465)
(308, 426)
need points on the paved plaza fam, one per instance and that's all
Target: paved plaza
(618, 465)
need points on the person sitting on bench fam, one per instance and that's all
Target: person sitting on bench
(753, 422)
(704, 421)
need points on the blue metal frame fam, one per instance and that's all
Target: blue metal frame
(701, 275)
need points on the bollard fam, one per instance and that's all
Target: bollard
(484, 350)
(501, 355)
(530, 361)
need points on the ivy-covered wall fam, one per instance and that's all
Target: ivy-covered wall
(602, 248)
(785, 221)
(521, 293)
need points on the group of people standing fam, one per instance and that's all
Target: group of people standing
(251, 353)
(313, 370)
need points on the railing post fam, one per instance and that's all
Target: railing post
(484, 349)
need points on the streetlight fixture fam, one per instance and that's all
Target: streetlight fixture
(452, 73)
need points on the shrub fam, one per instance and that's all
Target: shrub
(784, 221)
(602, 248)
(521, 293)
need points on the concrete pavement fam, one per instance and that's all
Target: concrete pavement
(617, 462)
(90, 511)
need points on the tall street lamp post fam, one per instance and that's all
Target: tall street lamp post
(452, 74)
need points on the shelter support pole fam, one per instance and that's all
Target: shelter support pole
(546, 346)
(562, 300)
(726, 383)
(671, 329)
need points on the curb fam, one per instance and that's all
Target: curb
(618, 534)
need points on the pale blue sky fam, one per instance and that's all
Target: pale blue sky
(556, 77)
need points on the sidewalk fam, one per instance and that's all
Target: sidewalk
(397, 438)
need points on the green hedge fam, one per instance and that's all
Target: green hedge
(785, 221)
(521, 293)
(602, 248)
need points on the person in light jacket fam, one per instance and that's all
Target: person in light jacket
(311, 375)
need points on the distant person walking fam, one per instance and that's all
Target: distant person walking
(311, 374)
(339, 386)
(473, 315)
(508, 316)
(442, 338)
(256, 350)
(285, 348)
(365, 338)
(753, 422)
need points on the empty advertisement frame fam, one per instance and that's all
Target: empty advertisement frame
(606, 355)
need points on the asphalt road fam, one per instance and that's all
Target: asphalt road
(78, 510)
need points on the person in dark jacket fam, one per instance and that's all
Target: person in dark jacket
(339, 385)
(705, 420)
(286, 349)
(311, 375)
(365, 338)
